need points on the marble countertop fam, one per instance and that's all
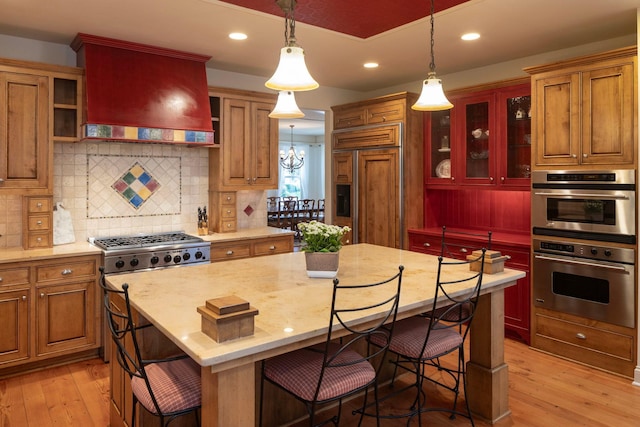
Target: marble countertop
(85, 248)
(71, 249)
(293, 309)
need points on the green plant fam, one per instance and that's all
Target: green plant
(321, 237)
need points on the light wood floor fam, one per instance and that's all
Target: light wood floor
(544, 391)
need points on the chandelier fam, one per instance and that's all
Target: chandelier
(432, 97)
(291, 73)
(291, 161)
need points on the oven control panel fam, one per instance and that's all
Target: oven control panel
(120, 263)
(598, 252)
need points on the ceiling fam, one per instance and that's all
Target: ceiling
(338, 35)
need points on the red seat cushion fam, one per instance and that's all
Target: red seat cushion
(299, 371)
(175, 384)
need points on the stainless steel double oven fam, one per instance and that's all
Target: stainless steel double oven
(584, 232)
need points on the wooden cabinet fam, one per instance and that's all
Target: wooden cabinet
(377, 159)
(585, 111)
(609, 347)
(39, 104)
(516, 298)
(245, 248)
(223, 211)
(37, 222)
(48, 308)
(484, 140)
(247, 158)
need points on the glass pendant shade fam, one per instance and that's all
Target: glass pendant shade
(292, 73)
(286, 107)
(432, 97)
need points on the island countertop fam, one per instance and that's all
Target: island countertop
(292, 307)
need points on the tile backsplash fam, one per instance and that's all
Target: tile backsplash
(117, 189)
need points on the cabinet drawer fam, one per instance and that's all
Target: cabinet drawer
(39, 222)
(349, 118)
(273, 246)
(227, 212)
(39, 204)
(66, 271)
(227, 252)
(228, 226)
(14, 276)
(39, 240)
(425, 244)
(228, 199)
(585, 336)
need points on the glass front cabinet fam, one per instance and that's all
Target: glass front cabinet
(484, 140)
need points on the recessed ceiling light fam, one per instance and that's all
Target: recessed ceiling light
(370, 65)
(238, 36)
(470, 36)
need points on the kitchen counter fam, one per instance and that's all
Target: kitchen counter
(248, 233)
(286, 298)
(60, 251)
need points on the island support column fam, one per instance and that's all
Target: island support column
(228, 397)
(487, 374)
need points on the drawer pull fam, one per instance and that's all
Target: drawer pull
(38, 222)
(0, 279)
(39, 239)
(228, 211)
(24, 297)
(41, 294)
(581, 336)
(272, 248)
(464, 250)
(426, 244)
(229, 252)
(66, 271)
(38, 205)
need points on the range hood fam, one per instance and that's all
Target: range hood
(142, 93)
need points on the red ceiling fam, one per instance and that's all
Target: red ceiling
(358, 18)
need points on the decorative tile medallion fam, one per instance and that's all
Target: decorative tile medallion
(248, 210)
(136, 185)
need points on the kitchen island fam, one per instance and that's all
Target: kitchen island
(294, 313)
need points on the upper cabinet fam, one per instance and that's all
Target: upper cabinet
(484, 140)
(39, 104)
(364, 113)
(247, 155)
(585, 111)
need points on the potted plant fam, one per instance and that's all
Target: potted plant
(321, 245)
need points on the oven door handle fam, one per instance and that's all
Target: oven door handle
(587, 195)
(590, 264)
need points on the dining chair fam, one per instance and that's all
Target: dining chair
(305, 209)
(273, 210)
(287, 214)
(420, 341)
(319, 211)
(341, 367)
(167, 388)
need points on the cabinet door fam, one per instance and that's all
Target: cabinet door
(556, 131)
(476, 134)
(378, 193)
(65, 317)
(608, 116)
(14, 318)
(263, 150)
(237, 130)
(343, 167)
(24, 103)
(514, 139)
(438, 151)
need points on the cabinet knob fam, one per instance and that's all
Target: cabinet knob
(574, 156)
(581, 336)
(248, 180)
(464, 250)
(38, 222)
(228, 198)
(1, 180)
(426, 244)
(228, 211)
(39, 239)
(491, 178)
(453, 178)
(229, 252)
(24, 297)
(0, 279)
(38, 205)
(585, 155)
(41, 294)
(66, 271)
(255, 179)
(272, 248)
(502, 178)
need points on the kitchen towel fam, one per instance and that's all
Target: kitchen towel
(62, 226)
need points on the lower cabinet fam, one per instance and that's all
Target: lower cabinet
(516, 298)
(245, 248)
(48, 308)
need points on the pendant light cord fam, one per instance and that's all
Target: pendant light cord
(289, 24)
(432, 64)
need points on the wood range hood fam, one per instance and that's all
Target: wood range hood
(142, 93)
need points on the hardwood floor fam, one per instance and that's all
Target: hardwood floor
(544, 391)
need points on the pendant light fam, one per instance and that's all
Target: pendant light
(291, 161)
(286, 107)
(292, 73)
(432, 97)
